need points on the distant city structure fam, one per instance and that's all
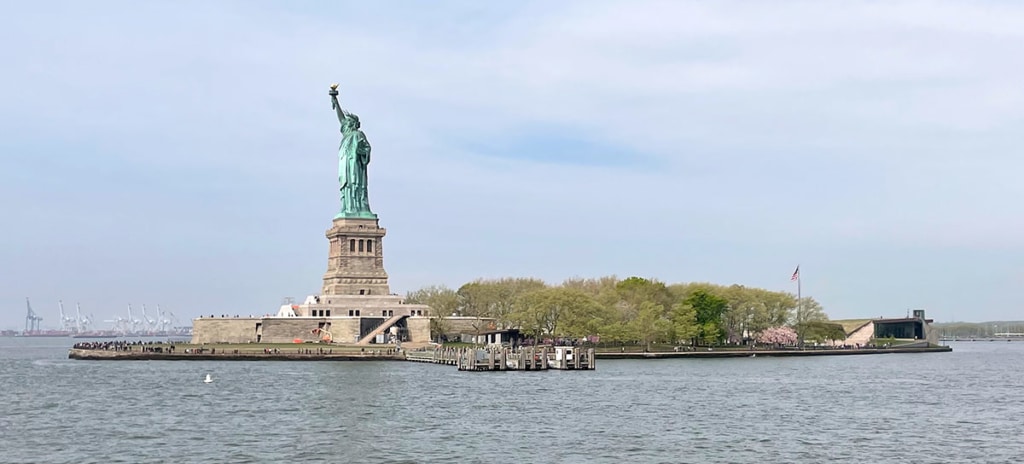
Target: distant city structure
(162, 324)
(355, 305)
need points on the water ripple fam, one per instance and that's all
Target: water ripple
(956, 407)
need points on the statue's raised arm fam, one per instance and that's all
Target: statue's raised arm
(337, 106)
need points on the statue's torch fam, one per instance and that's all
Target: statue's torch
(334, 95)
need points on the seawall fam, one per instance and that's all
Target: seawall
(112, 355)
(773, 353)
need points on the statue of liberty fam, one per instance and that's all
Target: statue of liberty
(353, 157)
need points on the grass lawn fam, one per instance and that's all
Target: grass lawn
(849, 325)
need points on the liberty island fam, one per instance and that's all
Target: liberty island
(355, 315)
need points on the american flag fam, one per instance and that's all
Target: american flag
(796, 274)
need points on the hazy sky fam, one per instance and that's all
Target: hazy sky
(184, 153)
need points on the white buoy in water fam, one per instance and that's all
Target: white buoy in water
(208, 379)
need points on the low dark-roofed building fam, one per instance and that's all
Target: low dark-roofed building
(906, 328)
(492, 337)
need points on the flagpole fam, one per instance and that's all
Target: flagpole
(799, 307)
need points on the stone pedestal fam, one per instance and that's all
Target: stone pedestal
(355, 263)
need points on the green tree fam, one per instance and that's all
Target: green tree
(709, 309)
(441, 299)
(682, 291)
(773, 309)
(608, 319)
(443, 302)
(602, 290)
(592, 287)
(475, 299)
(557, 311)
(586, 316)
(496, 298)
(742, 305)
(650, 324)
(636, 290)
(807, 311)
(624, 310)
(684, 323)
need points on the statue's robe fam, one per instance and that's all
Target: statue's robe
(353, 156)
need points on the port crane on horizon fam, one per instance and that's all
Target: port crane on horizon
(132, 320)
(83, 322)
(151, 324)
(74, 324)
(68, 323)
(32, 319)
(163, 323)
(166, 319)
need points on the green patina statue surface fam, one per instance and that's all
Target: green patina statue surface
(353, 157)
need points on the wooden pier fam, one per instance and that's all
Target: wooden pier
(438, 355)
(528, 358)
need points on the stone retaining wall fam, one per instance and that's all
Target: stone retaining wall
(288, 329)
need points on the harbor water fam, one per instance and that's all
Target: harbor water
(963, 406)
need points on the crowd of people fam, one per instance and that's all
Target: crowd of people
(125, 345)
(170, 348)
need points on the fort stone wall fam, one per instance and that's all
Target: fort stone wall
(224, 329)
(288, 329)
(419, 329)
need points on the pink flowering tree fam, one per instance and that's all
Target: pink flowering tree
(777, 336)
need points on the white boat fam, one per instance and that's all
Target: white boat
(208, 379)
